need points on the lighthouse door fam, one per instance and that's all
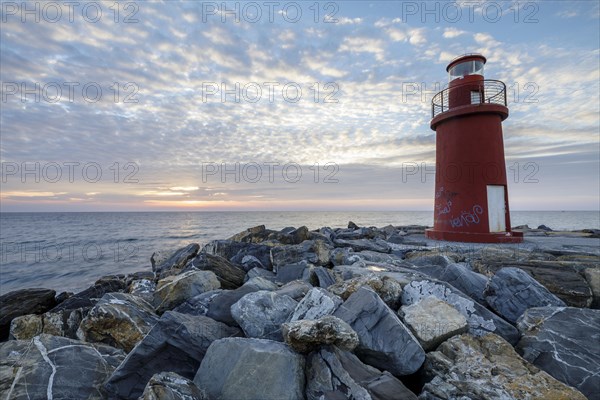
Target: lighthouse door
(496, 208)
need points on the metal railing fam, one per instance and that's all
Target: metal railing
(489, 91)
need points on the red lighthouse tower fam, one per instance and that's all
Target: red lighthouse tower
(471, 197)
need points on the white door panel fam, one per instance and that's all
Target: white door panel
(496, 208)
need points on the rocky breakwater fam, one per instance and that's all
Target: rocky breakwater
(356, 313)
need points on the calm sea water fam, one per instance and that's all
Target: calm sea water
(69, 251)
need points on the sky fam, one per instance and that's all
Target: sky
(189, 105)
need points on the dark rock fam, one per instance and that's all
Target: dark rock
(563, 341)
(376, 245)
(120, 320)
(162, 262)
(49, 367)
(544, 228)
(481, 320)
(467, 281)
(260, 314)
(292, 272)
(487, 368)
(387, 288)
(384, 340)
(22, 302)
(236, 252)
(335, 374)
(305, 336)
(347, 256)
(87, 298)
(296, 290)
(592, 276)
(62, 296)
(512, 291)
(395, 238)
(177, 343)
(315, 252)
(260, 273)
(231, 276)
(175, 289)
(352, 225)
(317, 303)
(251, 369)
(171, 386)
(324, 277)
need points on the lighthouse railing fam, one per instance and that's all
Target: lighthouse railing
(488, 91)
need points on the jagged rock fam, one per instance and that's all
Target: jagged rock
(260, 314)
(512, 291)
(171, 386)
(251, 369)
(307, 335)
(177, 343)
(260, 273)
(376, 245)
(347, 256)
(563, 341)
(563, 279)
(487, 368)
(162, 261)
(317, 303)
(259, 255)
(87, 298)
(592, 276)
(384, 340)
(174, 290)
(315, 252)
(324, 277)
(291, 272)
(230, 275)
(352, 225)
(47, 367)
(359, 233)
(22, 302)
(544, 228)
(388, 289)
(216, 304)
(62, 323)
(335, 374)
(143, 288)
(467, 281)
(296, 290)
(119, 319)
(422, 260)
(432, 321)
(250, 235)
(481, 321)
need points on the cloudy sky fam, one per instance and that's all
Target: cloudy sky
(189, 105)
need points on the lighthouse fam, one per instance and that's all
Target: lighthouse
(471, 193)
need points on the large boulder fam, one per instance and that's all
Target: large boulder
(177, 343)
(466, 280)
(592, 276)
(432, 321)
(298, 271)
(387, 288)
(315, 252)
(564, 342)
(22, 302)
(384, 341)
(317, 303)
(171, 386)
(237, 251)
(481, 320)
(61, 323)
(260, 314)
(305, 336)
(487, 368)
(377, 245)
(231, 276)
(165, 261)
(87, 298)
(47, 367)
(119, 319)
(512, 291)
(174, 290)
(335, 374)
(251, 369)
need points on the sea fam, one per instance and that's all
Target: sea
(71, 250)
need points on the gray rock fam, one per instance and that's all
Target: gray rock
(171, 386)
(174, 290)
(87, 298)
(317, 303)
(592, 276)
(384, 340)
(376, 245)
(467, 281)
(230, 275)
(307, 335)
(177, 343)
(291, 272)
(251, 369)
(119, 319)
(22, 302)
(563, 341)
(162, 261)
(512, 291)
(387, 288)
(296, 290)
(61, 323)
(422, 260)
(49, 367)
(335, 374)
(236, 252)
(347, 256)
(260, 314)
(143, 288)
(324, 277)
(432, 321)
(315, 252)
(260, 273)
(481, 320)
(487, 368)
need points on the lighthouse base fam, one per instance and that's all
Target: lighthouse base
(471, 237)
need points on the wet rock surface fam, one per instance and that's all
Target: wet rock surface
(307, 335)
(23, 302)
